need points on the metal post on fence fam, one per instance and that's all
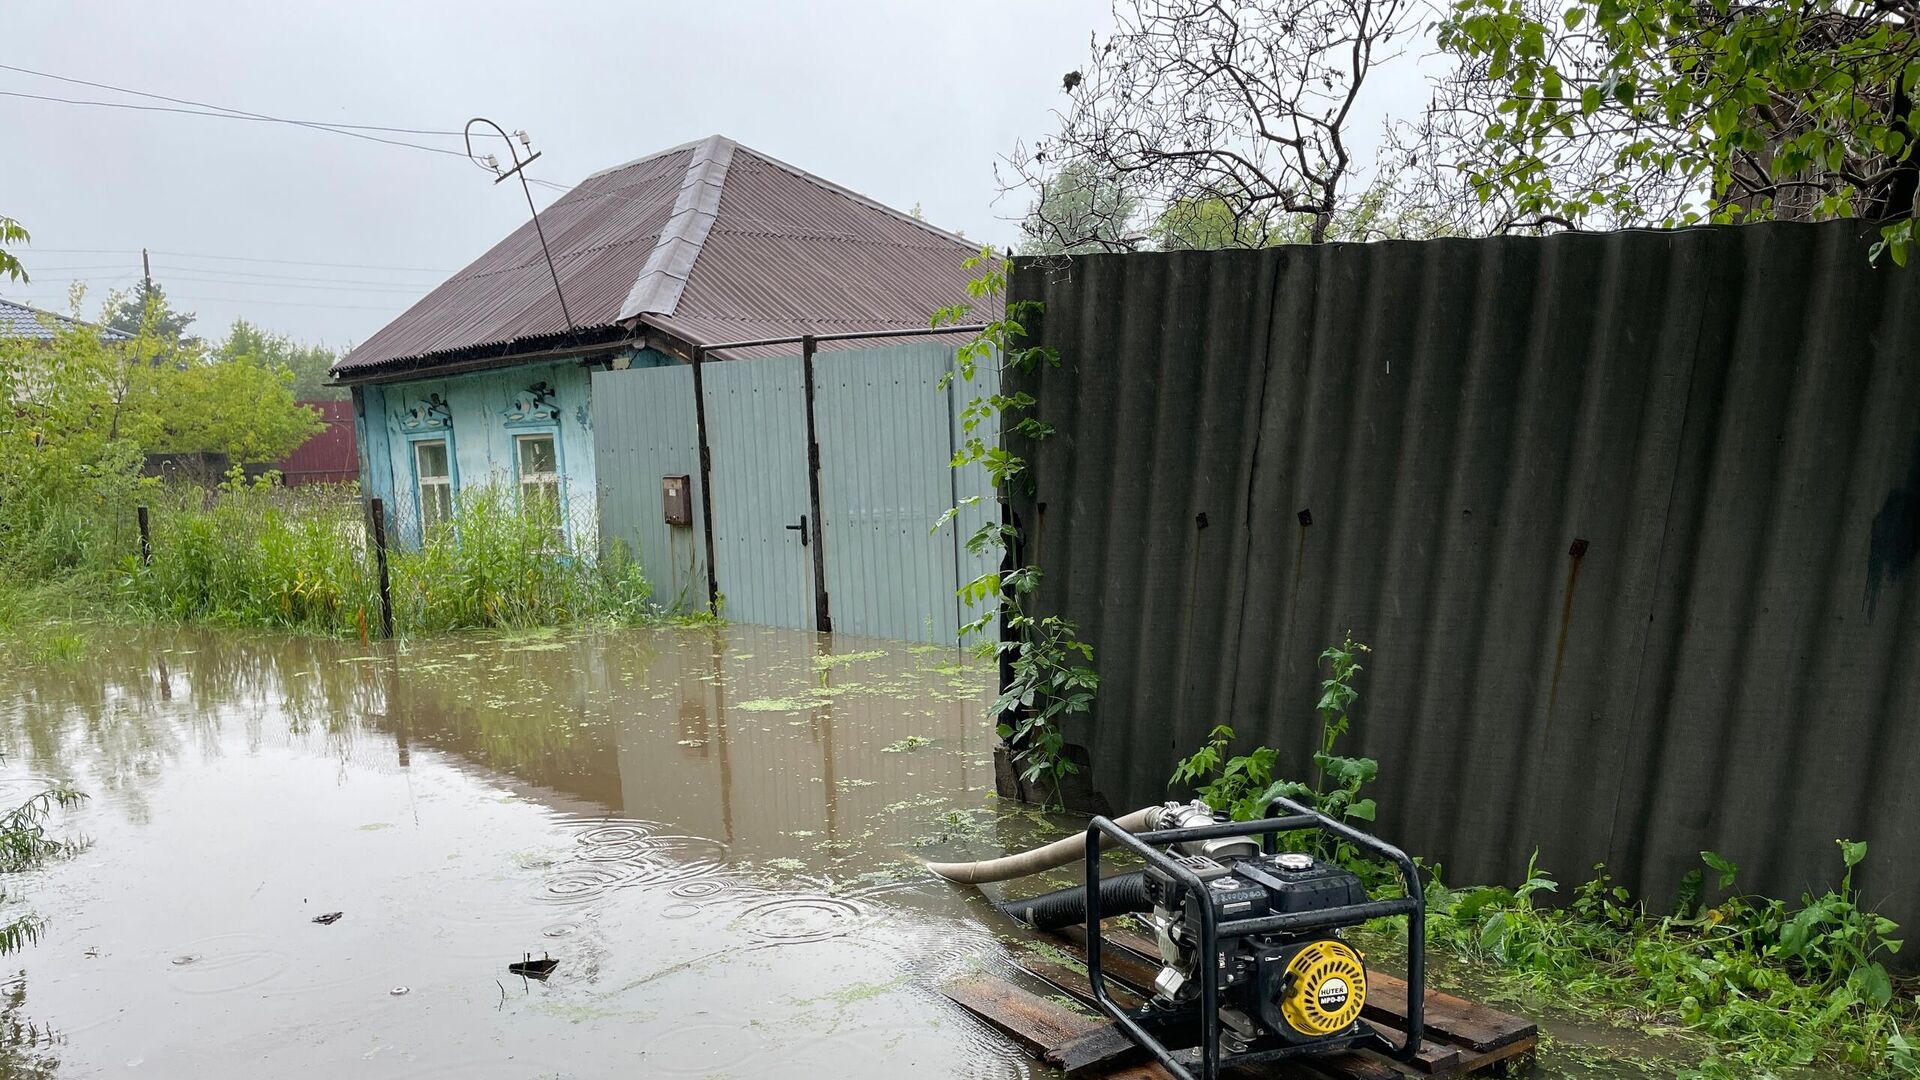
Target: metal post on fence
(146, 536)
(822, 613)
(377, 524)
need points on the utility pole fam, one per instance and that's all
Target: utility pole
(146, 271)
(491, 163)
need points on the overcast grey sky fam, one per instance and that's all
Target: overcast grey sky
(905, 102)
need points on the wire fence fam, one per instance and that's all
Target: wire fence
(575, 525)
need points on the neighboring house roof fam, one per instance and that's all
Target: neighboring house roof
(708, 242)
(21, 321)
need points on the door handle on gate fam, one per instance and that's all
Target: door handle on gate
(801, 529)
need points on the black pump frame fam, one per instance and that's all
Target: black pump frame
(1149, 845)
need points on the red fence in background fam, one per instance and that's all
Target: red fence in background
(331, 456)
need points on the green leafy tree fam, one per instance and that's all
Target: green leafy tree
(85, 409)
(12, 232)
(239, 408)
(1573, 113)
(64, 450)
(309, 364)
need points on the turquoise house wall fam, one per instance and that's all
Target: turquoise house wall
(480, 414)
(376, 466)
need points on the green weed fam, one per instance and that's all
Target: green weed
(1245, 786)
(1776, 986)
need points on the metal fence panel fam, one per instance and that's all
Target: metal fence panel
(885, 443)
(1627, 518)
(757, 435)
(643, 429)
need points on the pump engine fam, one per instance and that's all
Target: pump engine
(1249, 937)
(1300, 987)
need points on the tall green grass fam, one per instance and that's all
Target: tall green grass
(497, 564)
(254, 553)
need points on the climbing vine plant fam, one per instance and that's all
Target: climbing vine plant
(1051, 674)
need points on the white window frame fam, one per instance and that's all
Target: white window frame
(443, 504)
(523, 480)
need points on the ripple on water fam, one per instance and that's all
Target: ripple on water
(614, 831)
(699, 889)
(628, 851)
(656, 861)
(795, 919)
(979, 1052)
(937, 951)
(225, 963)
(704, 1049)
(586, 880)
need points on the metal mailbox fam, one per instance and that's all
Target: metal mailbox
(676, 500)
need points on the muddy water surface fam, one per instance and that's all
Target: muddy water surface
(713, 831)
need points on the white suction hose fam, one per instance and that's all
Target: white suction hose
(1059, 853)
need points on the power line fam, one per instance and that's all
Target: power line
(42, 272)
(224, 112)
(223, 108)
(299, 262)
(230, 115)
(233, 258)
(239, 300)
(38, 265)
(250, 275)
(357, 131)
(176, 276)
(285, 303)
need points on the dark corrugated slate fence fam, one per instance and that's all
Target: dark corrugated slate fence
(1628, 520)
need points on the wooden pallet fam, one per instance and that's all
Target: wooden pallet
(1460, 1038)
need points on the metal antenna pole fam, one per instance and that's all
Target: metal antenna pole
(491, 163)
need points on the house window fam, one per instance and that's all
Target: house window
(432, 470)
(539, 476)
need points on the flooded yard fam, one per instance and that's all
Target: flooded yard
(713, 832)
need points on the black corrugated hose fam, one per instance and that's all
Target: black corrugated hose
(1121, 894)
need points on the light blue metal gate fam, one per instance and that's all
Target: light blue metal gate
(643, 430)
(886, 437)
(887, 432)
(757, 435)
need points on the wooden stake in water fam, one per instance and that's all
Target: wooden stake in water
(377, 525)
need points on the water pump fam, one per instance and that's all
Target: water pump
(1253, 967)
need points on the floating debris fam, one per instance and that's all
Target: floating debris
(329, 918)
(400, 991)
(530, 968)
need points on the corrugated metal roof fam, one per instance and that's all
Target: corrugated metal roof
(21, 321)
(709, 242)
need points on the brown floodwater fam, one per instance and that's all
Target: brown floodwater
(715, 832)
